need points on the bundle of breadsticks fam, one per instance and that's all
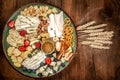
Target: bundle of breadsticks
(95, 35)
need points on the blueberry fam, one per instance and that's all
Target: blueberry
(24, 68)
(33, 70)
(55, 51)
(49, 55)
(29, 70)
(54, 71)
(29, 55)
(51, 67)
(55, 59)
(49, 74)
(39, 74)
(42, 64)
(63, 65)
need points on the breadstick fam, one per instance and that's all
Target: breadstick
(107, 36)
(90, 43)
(93, 31)
(98, 38)
(68, 57)
(97, 26)
(101, 33)
(99, 47)
(103, 36)
(104, 42)
(63, 48)
(85, 25)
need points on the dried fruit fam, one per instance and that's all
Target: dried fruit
(63, 65)
(26, 43)
(29, 55)
(22, 48)
(38, 45)
(11, 23)
(23, 32)
(39, 74)
(48, 61)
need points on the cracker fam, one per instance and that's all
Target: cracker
(13, 58)
(24, 55)
(17, 64)
(96, 26)
(10, 51)
(99, 47)
(67, 21)
(19, 59)
(85, 25)
(16, 52)
(29, 48)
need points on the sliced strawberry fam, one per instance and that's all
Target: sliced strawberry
(38, 45)
(48, 61)
(11, 23)
(26, 43)
(23, 32)
(22, 48)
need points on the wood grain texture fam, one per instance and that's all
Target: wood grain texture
(88, 64)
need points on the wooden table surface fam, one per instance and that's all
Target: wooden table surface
(88, 64)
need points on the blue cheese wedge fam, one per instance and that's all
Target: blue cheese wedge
(52, 58)
(55, 68)
(62, 60)
(54, 55)
(45, 66)
(49, 70)
(53, 63)
(59, 63)
(45, 73)
(40, 70)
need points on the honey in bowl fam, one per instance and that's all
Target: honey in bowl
(47, 47)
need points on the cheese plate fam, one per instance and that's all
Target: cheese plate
(39, 40)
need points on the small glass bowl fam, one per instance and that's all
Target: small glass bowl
(46, 45)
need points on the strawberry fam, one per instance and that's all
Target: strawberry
(22, 48)
(26, 43)
(11, 23)
(38, 45)
(23, 32)
(48, 61)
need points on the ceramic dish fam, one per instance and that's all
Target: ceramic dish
(27, 31)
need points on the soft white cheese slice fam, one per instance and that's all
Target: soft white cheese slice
(56, 25)
(62, 60)
(51, 27)
(34, 62)
(59, 22)
(23, 22)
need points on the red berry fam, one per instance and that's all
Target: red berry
(48, 61)
(22, 48)
(23, 32)
(38, 45)
(11, 23)
(26, 43)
